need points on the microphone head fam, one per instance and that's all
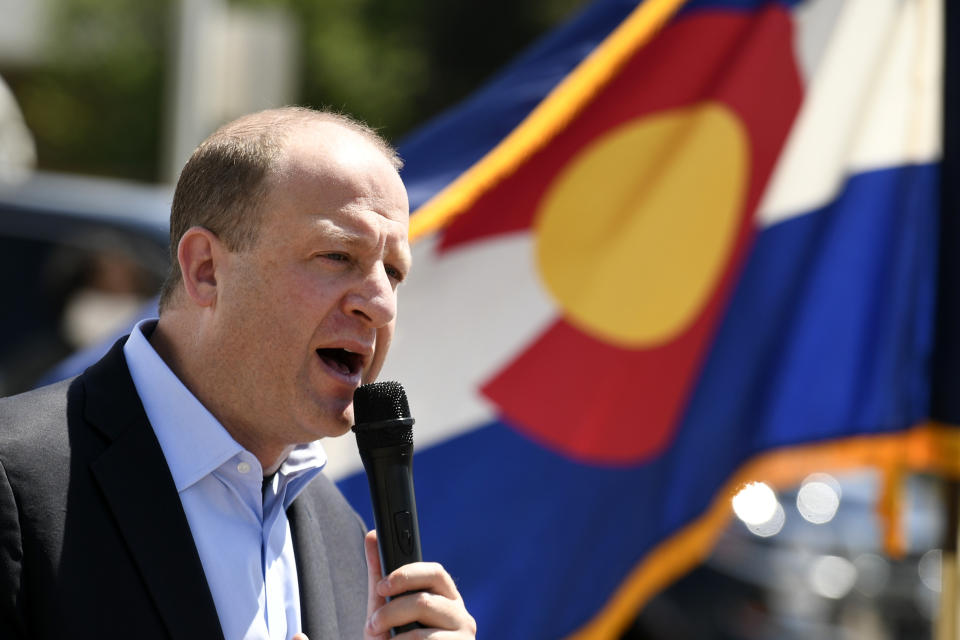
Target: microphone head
(382, 416)
(379, 401)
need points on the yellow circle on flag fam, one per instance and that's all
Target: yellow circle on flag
(634, 233)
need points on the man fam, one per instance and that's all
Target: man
(153, 496)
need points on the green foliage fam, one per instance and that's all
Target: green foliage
(96, 103)
(395, 63)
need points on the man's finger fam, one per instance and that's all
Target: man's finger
(433, 611)
(374, 575)
(419, 576)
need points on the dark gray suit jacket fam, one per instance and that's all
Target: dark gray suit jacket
(94, 542)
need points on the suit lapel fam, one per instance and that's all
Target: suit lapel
(139, 490)
(318, 614)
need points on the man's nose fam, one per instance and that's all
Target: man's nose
(374, 299)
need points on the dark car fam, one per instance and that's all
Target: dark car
(80, 258)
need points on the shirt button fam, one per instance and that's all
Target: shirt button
(243, 467)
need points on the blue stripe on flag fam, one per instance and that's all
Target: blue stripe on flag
(830, 329)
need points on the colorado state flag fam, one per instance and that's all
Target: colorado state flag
(669, 250)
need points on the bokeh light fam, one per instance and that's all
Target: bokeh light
(930, 569)
(755, 503)
(772, 526)
(818, 498)
(757, 506)
(832, 576)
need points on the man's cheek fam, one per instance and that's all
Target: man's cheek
(384, 337)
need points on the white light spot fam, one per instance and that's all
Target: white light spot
(817, 501)
(832, 576)
(929, 568)
(825, 478)
(755, 503)
(772, 526)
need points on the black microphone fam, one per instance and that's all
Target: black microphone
(384, 431)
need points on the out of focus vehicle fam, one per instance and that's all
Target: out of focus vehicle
(80, 257)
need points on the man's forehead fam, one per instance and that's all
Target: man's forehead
(341, 160)
(331, 145)
(339, 176)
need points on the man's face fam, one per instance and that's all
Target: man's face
(306, 315)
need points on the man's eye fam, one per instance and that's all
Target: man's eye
(336, 257)
(394, 273)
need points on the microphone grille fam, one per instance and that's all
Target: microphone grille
(380, 401)
(382, 416)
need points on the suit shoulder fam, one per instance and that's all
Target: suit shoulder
(29, 412)
(36, 421)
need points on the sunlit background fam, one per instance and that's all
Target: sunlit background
(124, 89)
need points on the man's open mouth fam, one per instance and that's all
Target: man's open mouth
(346, 362)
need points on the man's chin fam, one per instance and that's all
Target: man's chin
(336, 433)
(333, 426)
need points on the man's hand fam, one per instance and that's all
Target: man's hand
(437, 605)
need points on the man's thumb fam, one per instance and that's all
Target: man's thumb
(373, 572)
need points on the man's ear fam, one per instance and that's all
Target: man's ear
(199, 253)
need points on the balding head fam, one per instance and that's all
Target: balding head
(225, 181)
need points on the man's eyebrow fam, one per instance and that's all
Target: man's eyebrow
(328, 230)
(337, 233)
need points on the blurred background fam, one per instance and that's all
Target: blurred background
(122, 88)
(105, 99)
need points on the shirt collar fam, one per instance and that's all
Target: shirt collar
(299, 468)
(192, 439)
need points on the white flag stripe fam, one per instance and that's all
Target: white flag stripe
(873, 103)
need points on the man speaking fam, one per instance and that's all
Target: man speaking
(173, 490)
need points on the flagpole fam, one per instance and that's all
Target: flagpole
(945, 403)
(945, 625)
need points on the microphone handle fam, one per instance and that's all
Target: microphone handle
(390, 475)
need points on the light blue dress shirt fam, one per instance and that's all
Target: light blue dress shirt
(240, 528)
